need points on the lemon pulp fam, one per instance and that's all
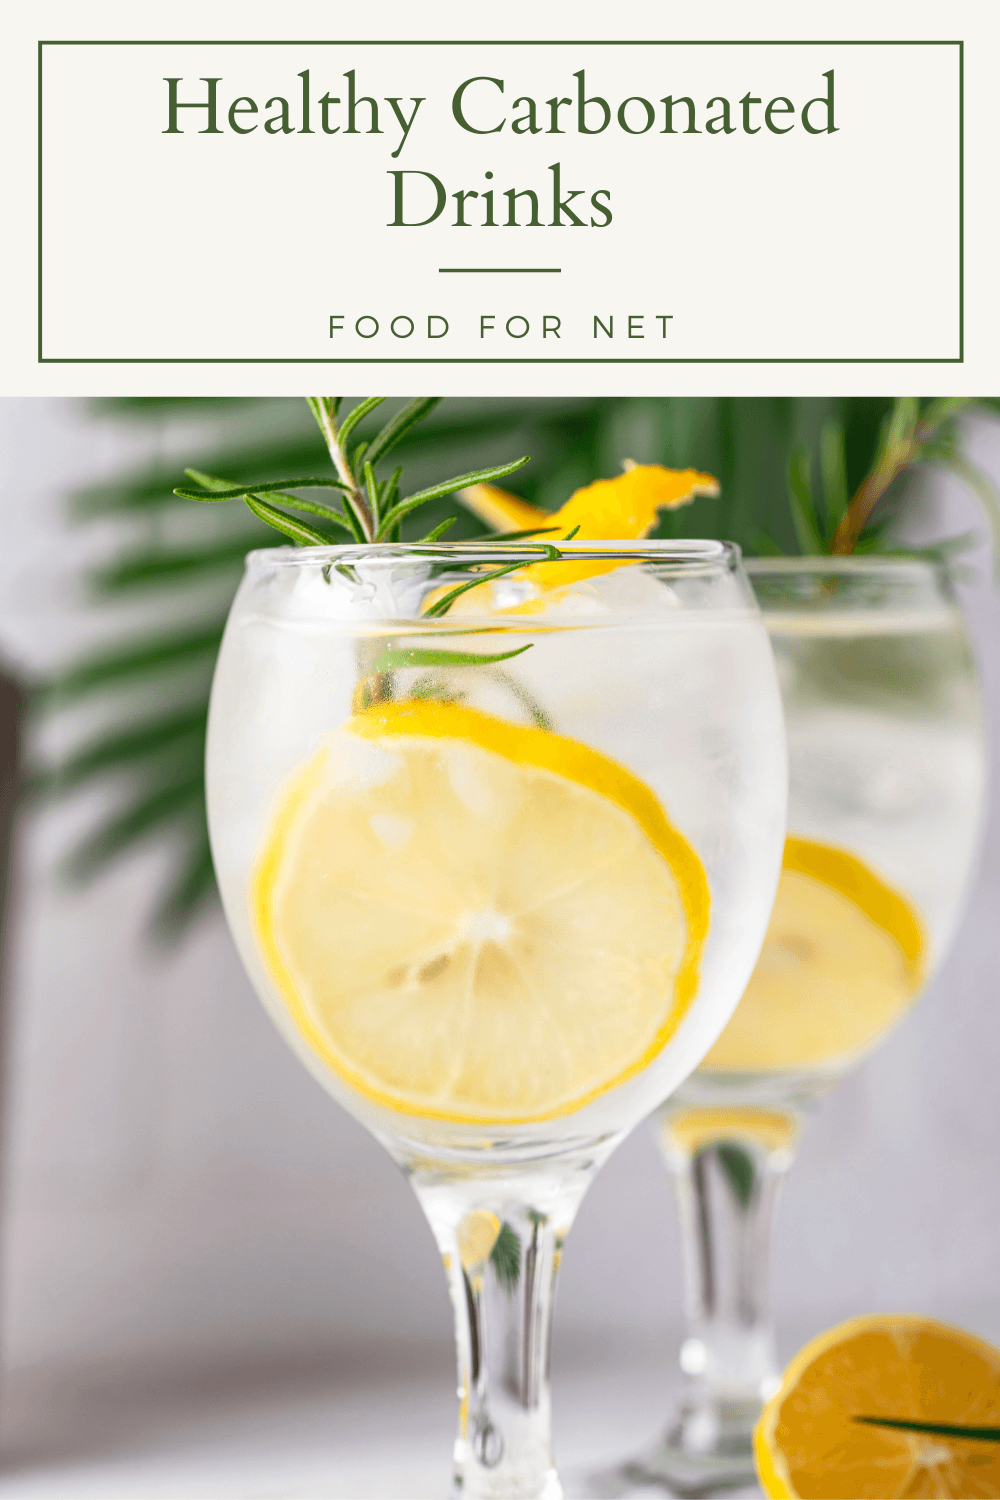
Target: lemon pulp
(843, 957)
(895, 1366)
(476, 921)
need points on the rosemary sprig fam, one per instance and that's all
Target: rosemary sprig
(831, 520)
(937, 1429)
(370, 510)
(392, 658)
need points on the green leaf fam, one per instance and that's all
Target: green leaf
(438, 531)
(371, 489)
(193, 889)
(390, 494)
(448, 487)
(168, 566)
(899, 427)
(766, 546)
(396, 657)
(403, 422)
(944, 408)
(442, 605)
(226, 490)
(738, 1166)
(207, 481)
(122, 749)
(505, 1258)
(156, 653)
(324, 409)
(833, 468)
(300, 533)
(144, 817)
(803, 508)
(357, 459)
(355, 416)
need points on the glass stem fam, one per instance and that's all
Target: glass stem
(727, 1167)
(501, 1236)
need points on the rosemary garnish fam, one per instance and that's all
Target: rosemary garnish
(370, 509)
(937, 1429)
(393, 657)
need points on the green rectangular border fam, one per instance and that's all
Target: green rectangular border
(510, 42)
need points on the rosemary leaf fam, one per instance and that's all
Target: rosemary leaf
(464, 481)
(391, 492)
(352, 419)
(442, 605)
(938, 1429)
(299, 531)
(224, 489)
(372, 489)
(395, 430)
(357, 459)
(392, 658)
(438, 531)
(803, 507)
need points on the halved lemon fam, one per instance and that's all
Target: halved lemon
(892, 1368)
(843, 957)
(477, 921)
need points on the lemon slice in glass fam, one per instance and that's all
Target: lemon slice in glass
(475, 921)
(842, 959)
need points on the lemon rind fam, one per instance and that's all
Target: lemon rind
(525, 745)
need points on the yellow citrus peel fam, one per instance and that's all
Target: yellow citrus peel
(621, 509)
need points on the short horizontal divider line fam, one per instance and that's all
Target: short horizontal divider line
(499, 270)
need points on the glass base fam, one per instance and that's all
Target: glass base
(708, 1450)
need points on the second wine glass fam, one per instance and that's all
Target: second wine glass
(886, 767)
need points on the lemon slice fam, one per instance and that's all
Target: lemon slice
(842, 959)
(694, 1129)
(892, 1367)
(475, 921)
(476, 1235)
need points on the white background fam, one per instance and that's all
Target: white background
(752, 255)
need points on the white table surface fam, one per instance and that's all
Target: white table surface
(295, 1431)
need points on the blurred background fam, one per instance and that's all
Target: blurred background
(214, 1281)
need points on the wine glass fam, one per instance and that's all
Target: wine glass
(497, 830)
(886, 766)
